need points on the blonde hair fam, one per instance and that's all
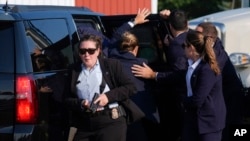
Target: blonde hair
(129, 41)
(203, 46)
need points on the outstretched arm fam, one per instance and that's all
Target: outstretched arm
(139, 19)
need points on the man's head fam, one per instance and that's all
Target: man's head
(178, 20)
(207, 29)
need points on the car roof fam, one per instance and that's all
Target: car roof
(46, 8)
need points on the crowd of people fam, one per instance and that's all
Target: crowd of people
(203, 92)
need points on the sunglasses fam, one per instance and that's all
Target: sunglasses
(89, 50)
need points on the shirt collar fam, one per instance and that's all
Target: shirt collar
(193, 64)
(96, 64)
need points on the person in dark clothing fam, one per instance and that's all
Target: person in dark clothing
(104, 76)
(204, 110)
(232, 86)
(147, 128)
(169, 102)
(170, 106)
(108, 44)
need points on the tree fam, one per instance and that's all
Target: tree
(194, 8)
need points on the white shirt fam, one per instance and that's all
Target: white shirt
(191, 68)
(90, 81)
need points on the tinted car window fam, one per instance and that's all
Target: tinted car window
(52, 38)
(150, 45)
(85, 25)
(7, 47)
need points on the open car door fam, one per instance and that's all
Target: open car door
(150, 36)
(151, 47)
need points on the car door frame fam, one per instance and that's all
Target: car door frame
(158, 26)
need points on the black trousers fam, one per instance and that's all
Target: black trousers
(102, 128)
(144, 130)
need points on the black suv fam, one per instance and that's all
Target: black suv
(25, 104)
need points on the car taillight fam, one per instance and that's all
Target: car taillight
(26, 100)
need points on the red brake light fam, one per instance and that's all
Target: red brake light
(26, 100)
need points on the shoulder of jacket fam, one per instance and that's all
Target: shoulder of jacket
(110, 60)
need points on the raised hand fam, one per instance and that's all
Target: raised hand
(141, 16)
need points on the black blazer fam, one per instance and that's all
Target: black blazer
(207, 102)
(208, 99)
(144, 98)
(121, 87)
(232, 85)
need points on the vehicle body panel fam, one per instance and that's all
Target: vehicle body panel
(26, 28)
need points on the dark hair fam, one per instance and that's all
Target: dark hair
(203, 46)
(91, 37)
(178, 20)
(209, 29)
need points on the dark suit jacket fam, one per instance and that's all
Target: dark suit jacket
(208, 99)
(169, 99)
(114, 42)
(144, 98)
(176, 58)
(207, 102)
(232, 85)
(121, 86)
(220, 53)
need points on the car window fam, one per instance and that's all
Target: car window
(150, 35)
(52, 38)
(150, 45)
(85, 25)
(7, 47)
(81, 25)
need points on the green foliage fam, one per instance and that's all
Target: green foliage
(173, 3)
(194, 8)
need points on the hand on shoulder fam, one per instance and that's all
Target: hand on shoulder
(143, 71)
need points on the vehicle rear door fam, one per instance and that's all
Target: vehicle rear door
(7, 86)
(150, 36)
